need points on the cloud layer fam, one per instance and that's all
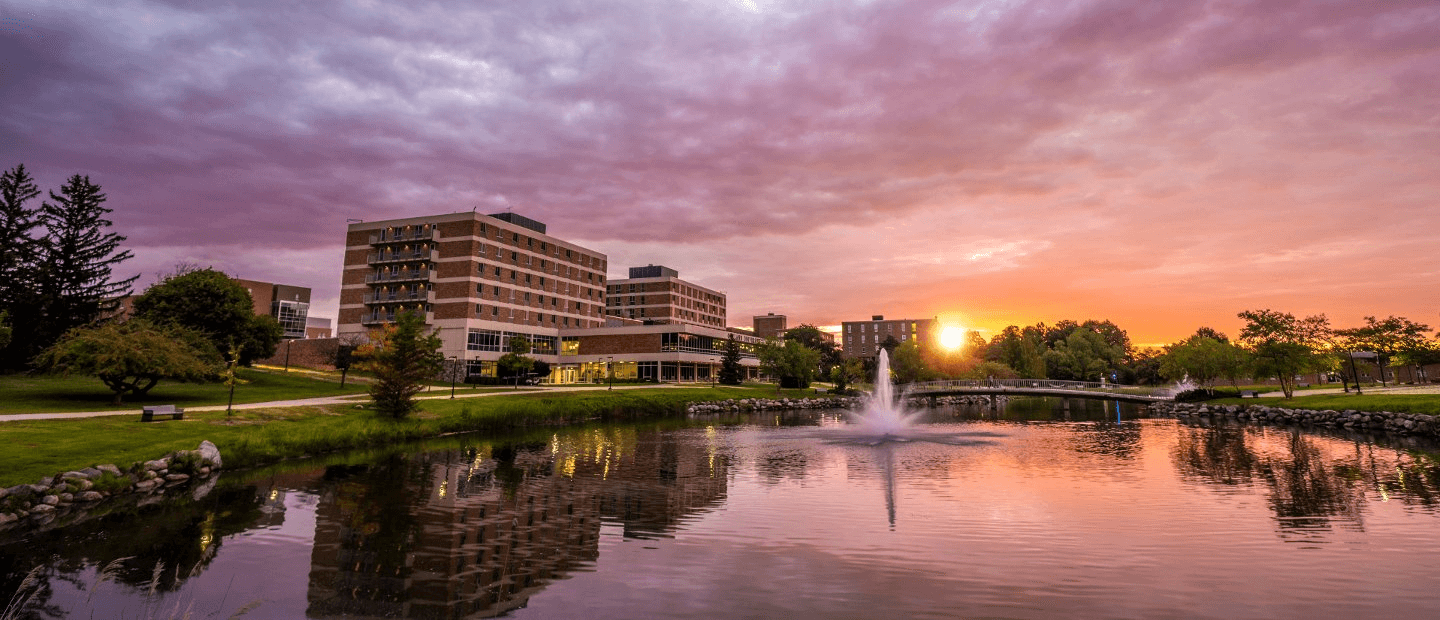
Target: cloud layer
(1160, 164)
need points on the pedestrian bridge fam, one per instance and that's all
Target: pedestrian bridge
(1038, 387)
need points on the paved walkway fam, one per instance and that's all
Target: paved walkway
(1394, 389)
(435, 394)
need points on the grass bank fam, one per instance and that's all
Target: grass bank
(54, 393)
(33, 449)
(1397, 403)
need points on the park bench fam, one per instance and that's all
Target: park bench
(1249, 394)
(149, 414)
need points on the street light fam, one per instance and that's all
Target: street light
(610, 370)
(454, 370)
(712, 372)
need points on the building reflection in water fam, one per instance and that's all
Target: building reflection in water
(1315, 482)
(475, 532)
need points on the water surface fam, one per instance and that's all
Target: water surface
(1047, 509)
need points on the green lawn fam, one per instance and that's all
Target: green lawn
(33, 449)
(54, 393)
(1398, 403)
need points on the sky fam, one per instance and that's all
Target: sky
(1163, 165)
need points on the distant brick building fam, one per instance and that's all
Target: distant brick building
(863, 338)
(656, 294)
(769, 325)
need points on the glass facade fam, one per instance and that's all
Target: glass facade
(291, 315)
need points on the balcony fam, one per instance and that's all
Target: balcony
(402, 256)
(381, 318)
(404, 275)
(397, 297)
(432, 234)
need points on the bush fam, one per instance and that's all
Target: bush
(1203, 394)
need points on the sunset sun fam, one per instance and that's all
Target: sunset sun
(952, 337)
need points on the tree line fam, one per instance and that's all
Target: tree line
(62, 308)
(1272, 344)
(56, 261)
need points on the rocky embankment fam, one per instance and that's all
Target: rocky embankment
(77, 495)
(1399, 423)
(736, 405)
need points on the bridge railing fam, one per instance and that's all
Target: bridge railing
(1054, 384)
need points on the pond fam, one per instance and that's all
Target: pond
(1045, 509)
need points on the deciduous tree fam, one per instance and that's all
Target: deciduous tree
(1284, 346)
(213, 304)
(791, 363)
(1387, 338)
(515, 363)
(131, 357)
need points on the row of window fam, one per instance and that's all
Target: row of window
(524, 297)
(498, 341)
(879, 327)
(553, 268)
(672, 342)
(545, 247)
(534, 281)
(512, 315)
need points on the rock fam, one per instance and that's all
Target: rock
(50, 500)
(84, 485)
(146, 485)
(210, 452)
(109, 468)
(73, 475)
(176, 478)
(66, 498)
(157, 465)
(91, 496)
(42, 509)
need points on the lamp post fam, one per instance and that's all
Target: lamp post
(712, 373)
(610, 370)
(454, 370)
(287, 354)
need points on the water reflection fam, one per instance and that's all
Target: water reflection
(1078, 503)
(1314, 482)
(151, 550)
(475, 532)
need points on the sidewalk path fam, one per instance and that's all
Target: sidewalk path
(1397, 389)
(435, 394)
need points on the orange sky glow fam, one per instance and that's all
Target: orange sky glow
(1163, 165)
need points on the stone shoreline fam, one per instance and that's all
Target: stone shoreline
(740, 405)
(1417, 424)
(75, 496)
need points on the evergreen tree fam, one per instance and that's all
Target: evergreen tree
(18, 244)
(19, 257)
(405, 358)
(78, 256)
(730, 371)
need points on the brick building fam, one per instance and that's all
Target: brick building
(478, 279)
(290, 305)
(770, 325)
(657, 352)
(863, 338)
(656, 294)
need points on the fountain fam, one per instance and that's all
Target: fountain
(883, 416)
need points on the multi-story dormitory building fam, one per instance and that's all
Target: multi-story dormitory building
(482, 279)
(656, 294)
